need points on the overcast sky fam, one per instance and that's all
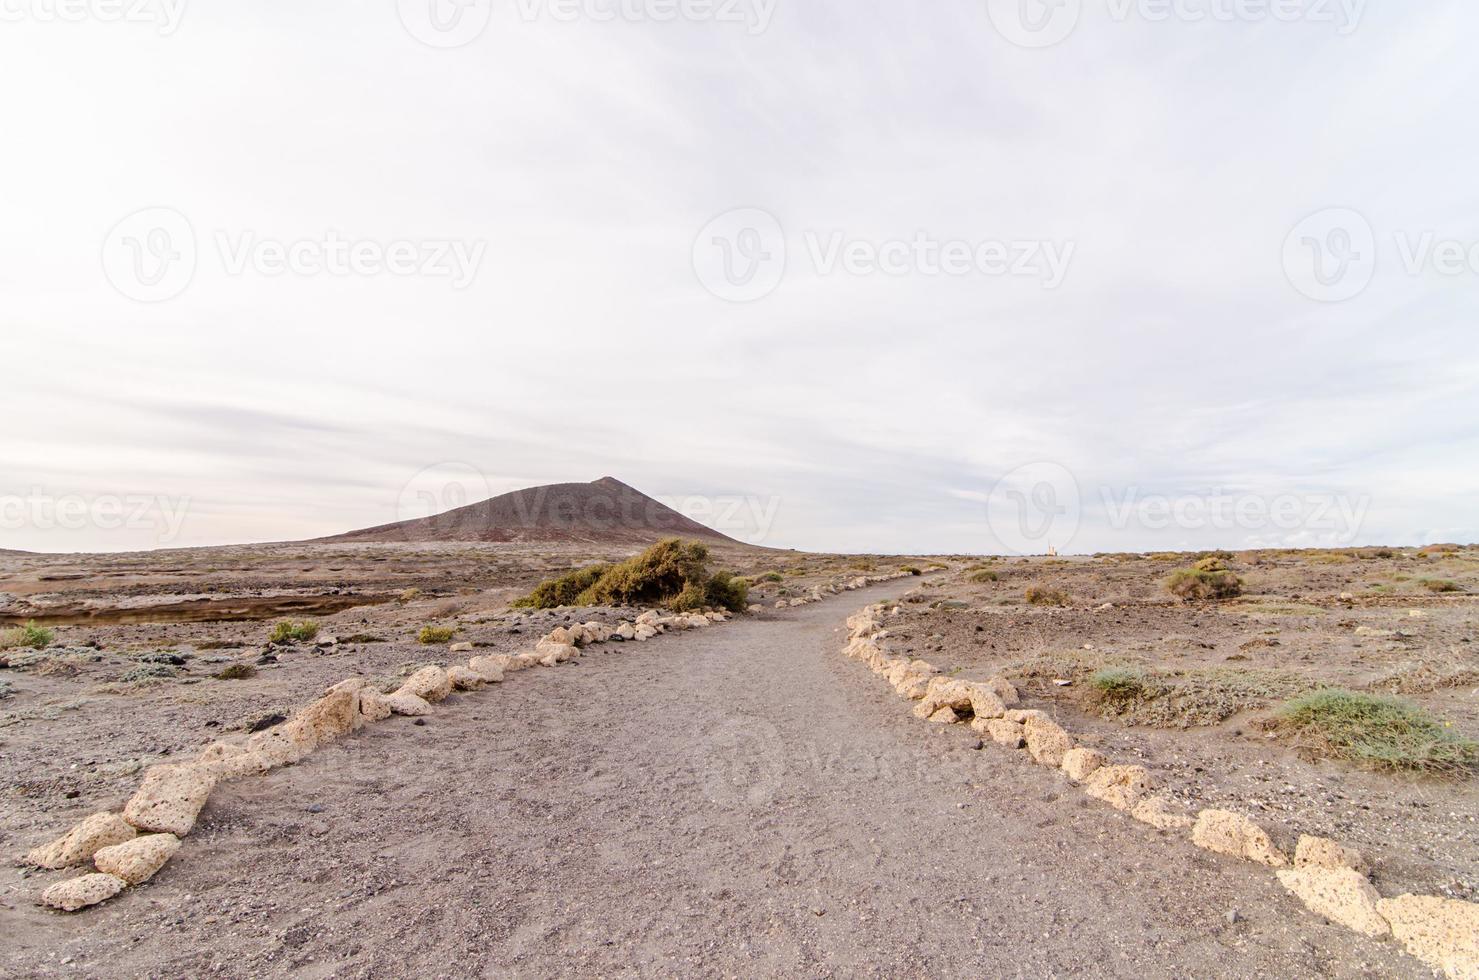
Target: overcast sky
(853, 275)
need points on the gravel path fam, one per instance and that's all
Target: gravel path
(737, 801)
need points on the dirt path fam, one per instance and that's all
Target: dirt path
(737, 801)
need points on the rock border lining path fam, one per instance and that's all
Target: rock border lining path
(1328, 877)
(129, 848)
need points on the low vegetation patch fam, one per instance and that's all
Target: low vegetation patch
(911, 570)
(1440, 585)
(671, 573)
(1041, 595)
(1117, 683)
(431, 635)
(771, 577)
(288, 632)
(1200, 584)
(29, 635)
(983, 576)
(1377, 732)
(237, 672)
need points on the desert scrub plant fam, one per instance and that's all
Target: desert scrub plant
(771, 577)
(910, 569)
(237, 672)
(1041, 595)
(983, 576)
(287, 632)
(1377, 732)
(1440, 585)
(29, 635)
(670, 571)
(1117, 683)
(1212, 563)
(431, 635)
(1199, 584)
(409, 595)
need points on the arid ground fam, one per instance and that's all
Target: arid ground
(741, 800)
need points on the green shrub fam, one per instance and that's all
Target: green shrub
(563, 591)
(1199, 584)
(1041, 595)
(1118, 683)
(1440, 585)
(911, 570)
(29, 635)
(288, 632)
(1212, 563)
(1378, 732)
(430, 635)
(984, 575)
(237, 672)
(670, 573)
(772, 577)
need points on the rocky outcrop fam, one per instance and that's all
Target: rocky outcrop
(1233, 834)
(78, 845)
(139, 859)
(170, 798)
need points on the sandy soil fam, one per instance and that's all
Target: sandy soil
(737, 801)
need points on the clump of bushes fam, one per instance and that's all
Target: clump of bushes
(983, 576)
(771, 577)
(1195, 584)
(1377, 732)
(1041, 595)
(1440, 585)
(1212, 563)
(287, 632)
(237, 672)
(911, 570)
(671, 573)
(430, 635)
(1117, 683)
(29, 635)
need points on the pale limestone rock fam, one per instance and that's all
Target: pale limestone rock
(649, 618)
(524, 660)
(170, 798)
(373, 706)
(1233, 834)
(463, 647)
(1322, 852)
(80, 843)
(405, 703)
(1020, 716)
(986, 703)
(1442, 932)
(645, 632)
(1047, 742)
(1122, 787)
(626, 631)
(275, 747)
(430, 684)
(913, 686)
(1080, 762)
(490, 669)
(331, 716)
(1003, 689)
(137, 861)
(1340, 895)
(1160, 812)
(225, 760)
(552, 654)
(79, 893)
(559, 636)
(945, 716)
(1002, 732)
(697, 622)
(465, 678)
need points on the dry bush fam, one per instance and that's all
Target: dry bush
(1195, 584)
(1042, 595)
